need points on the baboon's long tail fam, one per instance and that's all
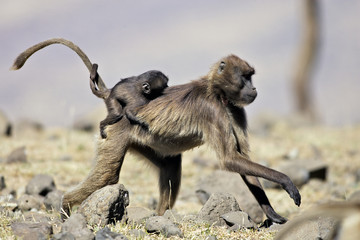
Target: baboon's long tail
(21, 59)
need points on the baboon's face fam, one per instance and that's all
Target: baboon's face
(233, 77)
(153, 82)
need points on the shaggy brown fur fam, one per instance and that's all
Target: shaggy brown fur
(205, 111)
(209, 110)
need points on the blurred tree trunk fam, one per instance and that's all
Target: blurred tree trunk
(305, 62)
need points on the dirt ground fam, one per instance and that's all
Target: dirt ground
(67, 155)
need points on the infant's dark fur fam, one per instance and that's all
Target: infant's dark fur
(127, 95)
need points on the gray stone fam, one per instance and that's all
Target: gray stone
(160, 224)
(106, 205)
(218, 205)
(76, 225)
(320, 228)
(239, 218)
(138, 215)
(106, 234)
(317, 169)
(202, 195)
(40, 184)
(27, 202)
(36, 217)
(63, 236)
(18, 155)
(31, 231)
(223, 181)
(2, 183)
(296, 172)
(172, 216)
(53, 199)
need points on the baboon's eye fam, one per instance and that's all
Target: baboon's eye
(221, 67)
(146, 88)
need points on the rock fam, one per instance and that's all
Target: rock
(295, 171)
(239, 218)
(138, 215)
(106, 205)
(223, 181)
(27, 202)
(29, 231)
(76, 225)
(63, 236)
(320, 228)
(160, 224)
(190, 218)
(106, 234)
(17, 156)
(53, 200)
(5, 126)
(202, 195)
(218, 205)
(301, 171)
(355, 197)
(2, 182)
(172, 216)
(36, 217)
(41, 185)
(317, 169)
(137, 234)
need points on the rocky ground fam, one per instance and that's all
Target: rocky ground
(37, 165)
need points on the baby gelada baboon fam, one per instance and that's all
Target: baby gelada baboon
(127, 95)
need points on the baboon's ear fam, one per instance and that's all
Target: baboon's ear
(146, 88)
(221, 67)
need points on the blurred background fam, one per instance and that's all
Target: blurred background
(182, 39)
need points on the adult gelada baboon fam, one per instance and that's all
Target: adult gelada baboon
(209, 110)
(205, 111)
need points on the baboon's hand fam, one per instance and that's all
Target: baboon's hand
(291, 189)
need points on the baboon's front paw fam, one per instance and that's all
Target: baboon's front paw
(291, 189)
(295, 195)
(274, 217)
